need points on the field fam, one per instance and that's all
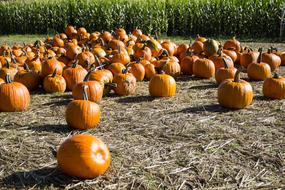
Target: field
(184, 142)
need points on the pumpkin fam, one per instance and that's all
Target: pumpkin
(72, 51)
(121, 57)
(231, 53)
(182, 48)
(225, 72)
(204, 68)
(137, 32)
(94, 90)
(198, 47)
(57, 41)
(235, 93)
(50, 65)
(82, 114)
(162, 85)
(35, 64)
(233, 44)
(138, 70)
(54, 83)
(200, 38)
(29, 78)
(187, 64)
(171, 68)
(274, 87)
(149, 70)
(210, 47)
(8, 70)
(106, 36)
(86, 58)
(83, 156)
(73, 75)
(258, 71)
(126, 83)
(280, 54)
(71, 32)
(154, 46)
(116, 68)
(170, 47)
(248, 56)
(14, 96)
(115, 44)
(105, 77)
(271, 59)
(219, 59)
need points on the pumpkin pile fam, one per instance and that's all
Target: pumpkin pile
(91, 65)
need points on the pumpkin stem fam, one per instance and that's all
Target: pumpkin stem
(54, 72)
(111, 85)
(26, 67)
(126, 70)
(276, 76)
(102, 42)
(269, 51)
(220, 51)
(87, 77)
(75, 63)
(8, 78)
(259, 59)
(97, 60)
(225, 63)
(237, 75)
(85, 95)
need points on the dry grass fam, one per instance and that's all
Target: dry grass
(184, 142)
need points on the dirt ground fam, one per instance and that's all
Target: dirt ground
(184, 142)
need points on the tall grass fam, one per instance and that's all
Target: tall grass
(255, 18)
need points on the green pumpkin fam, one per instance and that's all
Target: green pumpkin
(211, 47)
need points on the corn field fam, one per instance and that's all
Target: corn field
(248, 18)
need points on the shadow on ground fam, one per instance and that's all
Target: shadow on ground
(214, 108)
(37, 179)
(135, 99)
(58, 128)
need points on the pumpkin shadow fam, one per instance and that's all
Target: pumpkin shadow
(261, 98)
(213, 108)
(204, 87)
(62, 96)
(58, 103)
(135, 99)
(184, 78)
(58, 128)
(40, 178)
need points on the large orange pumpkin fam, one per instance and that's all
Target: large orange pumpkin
(235, 93)
(83, 156)
(14, 96)
(82, 114)
(162, 85)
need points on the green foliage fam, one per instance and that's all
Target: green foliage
(259, 18)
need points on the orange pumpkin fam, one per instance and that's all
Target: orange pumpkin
(14, 96)
(83, 156)
(82, 114)
(225, 72)
(73, 75)
(126, 83)
(258, 71)
(204, 68)
(235, 93)
(94, 90)
(54, 83)
(162, 85)
(274, 87)
(29, 78)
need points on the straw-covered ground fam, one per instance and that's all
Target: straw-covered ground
(184, 142)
